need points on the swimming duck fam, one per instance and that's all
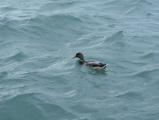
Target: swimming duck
(92, 64)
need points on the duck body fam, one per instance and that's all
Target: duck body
(96, 65)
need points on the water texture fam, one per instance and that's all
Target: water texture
(39, 80)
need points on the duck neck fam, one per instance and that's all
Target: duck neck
(82, 61)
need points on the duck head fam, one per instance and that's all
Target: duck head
(80, 56)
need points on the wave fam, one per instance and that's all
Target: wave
(128, 3)
(6, 31)
(10, 29)
(18, 56)
(3, 74)
(31, 106)
(146, 2)
(55, 5)
(150, 54)
(60, 27)
(57, 20)
(116, 36)
(117, 39)
(57, 26)
(129, 6)
(10, 61)
(139, 6)
(147, 72)
(131, 95)
(7, 8)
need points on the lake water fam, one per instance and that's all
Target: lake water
(39, 80)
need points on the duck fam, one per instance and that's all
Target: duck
(96, 65)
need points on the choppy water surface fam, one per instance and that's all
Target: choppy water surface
(39, 80)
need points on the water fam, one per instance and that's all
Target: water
(39, 80)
